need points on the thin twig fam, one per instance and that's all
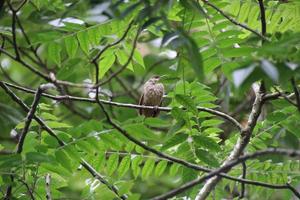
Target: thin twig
(101, 179)
(244, 167)
(262, 17)
(34, 51)
(128, 90)
(29, 118)
(296, 91)
(48, 187)
(94, 61)
(285, 97)
(30, 192)
(13, 28)
(232, 20)
(123, 67)
(127, 105)
(34, 70)
(21, 5)
(114, 43)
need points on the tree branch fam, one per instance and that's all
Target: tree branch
(29, 118)
(30, 192)
(239, 146)
(127, 105)
(242, 193)
(48, 187)
(296, 91)
(13, 29)
(232, 163)
(24, 132)
(262, 17)
(60, 142)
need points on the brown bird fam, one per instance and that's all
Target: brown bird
(152, 96)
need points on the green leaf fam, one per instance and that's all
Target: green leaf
(207, 158)
(175, 140)
(174, 169)
(83, 39)
(100, 160)
(160, 167)
(94, 36)
(207, 142)
(237, 52)
(55, 124)
(72, 152)
(129, 146)
(156, 122)
(110, 141)
(138, 58)
(10, 161)
(124, 166)
(148, 168)
(135, 165)
(63, 159)
(105, 64)
(71, 46)
(112, 164)
(187, 102)
(140, 130)
(54, 50)
(211, 122)
(37, 157)
(211, 64)
(194, 56)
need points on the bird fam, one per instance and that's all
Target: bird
(152, 95)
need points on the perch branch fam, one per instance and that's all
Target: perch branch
(126, 105)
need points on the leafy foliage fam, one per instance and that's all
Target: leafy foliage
(208, 65)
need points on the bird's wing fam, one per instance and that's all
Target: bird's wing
(141, 103)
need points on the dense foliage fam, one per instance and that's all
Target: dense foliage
(71, 77)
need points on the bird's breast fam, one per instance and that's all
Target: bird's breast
(153, 94)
